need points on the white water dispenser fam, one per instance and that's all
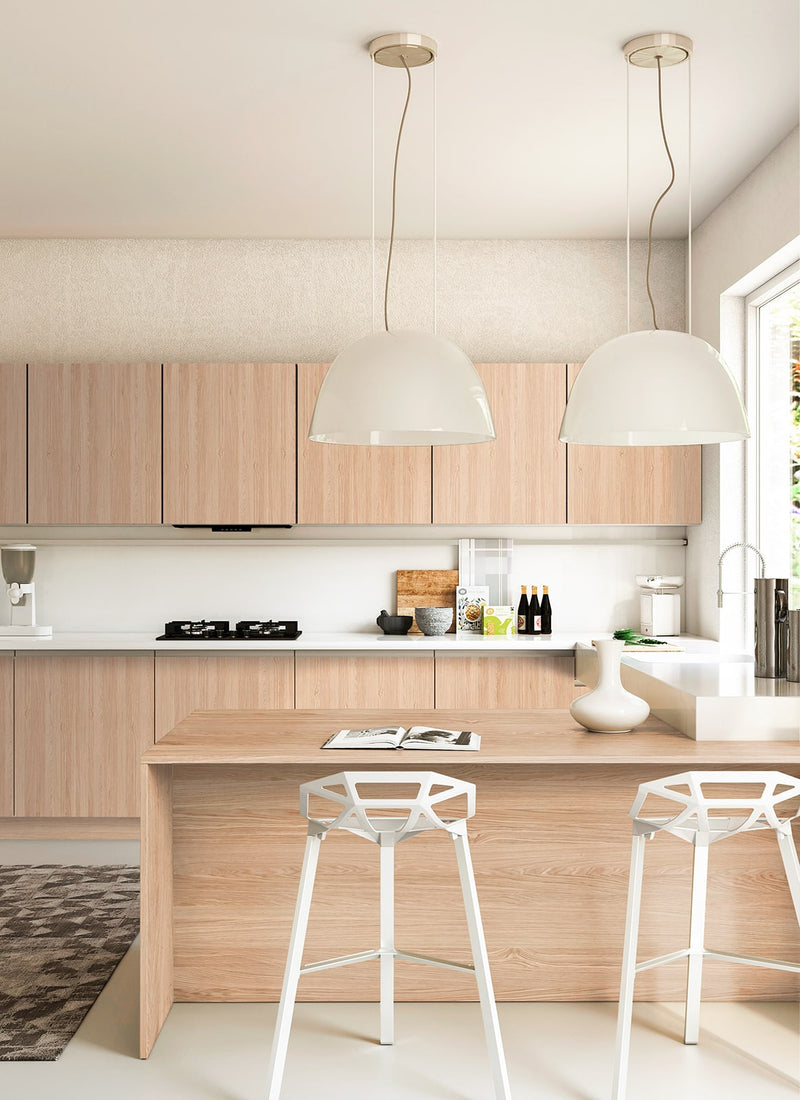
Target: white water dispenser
(659, 606)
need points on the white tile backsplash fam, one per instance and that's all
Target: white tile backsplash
(326, 586)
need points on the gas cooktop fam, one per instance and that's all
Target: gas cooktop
(219, 630)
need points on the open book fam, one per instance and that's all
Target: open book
(396, 737)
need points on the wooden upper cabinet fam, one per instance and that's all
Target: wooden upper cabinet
(13, 406)
(644, 485)
(337, 483)
(94, 443)
(229, 443)
(521, 476)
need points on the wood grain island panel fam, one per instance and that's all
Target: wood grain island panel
(550, 843)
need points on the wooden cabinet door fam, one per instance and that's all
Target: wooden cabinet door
(229, 443)
(235, 682)
(82, 724)
(644, 485)
(521, 476)
(6, 736)
(360, 680)
(94, 443)
(506, 681)
(13, 417)
(343, 484)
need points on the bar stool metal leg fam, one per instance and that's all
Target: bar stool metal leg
(694, 972)
(625, 1013)
(283, 1023)
(791, 864)
(387, 940)
(491, 1023)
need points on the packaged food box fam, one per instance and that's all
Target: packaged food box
(470, 601)
(498, 620)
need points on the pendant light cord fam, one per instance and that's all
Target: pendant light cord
(394, 198)
(665, 192)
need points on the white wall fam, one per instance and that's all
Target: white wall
(279, 301)
(748, 237)
(243, 300)
(325, 586)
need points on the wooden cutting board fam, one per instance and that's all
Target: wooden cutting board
(426, 588)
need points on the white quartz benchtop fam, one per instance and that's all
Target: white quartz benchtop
(373, 642)
(706, 693)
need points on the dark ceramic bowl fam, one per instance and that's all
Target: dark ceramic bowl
(394, 624)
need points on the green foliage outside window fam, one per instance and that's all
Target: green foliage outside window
(794, 343)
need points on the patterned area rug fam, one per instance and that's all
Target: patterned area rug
(63, 930)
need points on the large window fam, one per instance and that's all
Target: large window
(774, 406)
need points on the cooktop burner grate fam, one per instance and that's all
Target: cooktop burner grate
(219, 630)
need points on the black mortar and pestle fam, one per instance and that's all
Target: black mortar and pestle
(394, 624)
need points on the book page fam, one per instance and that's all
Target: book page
(429, 737)
(379, 737)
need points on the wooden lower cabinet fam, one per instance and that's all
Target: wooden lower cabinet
(323, 680)
(81, 725)
(255, 681)
(505, 682)
(6, 736)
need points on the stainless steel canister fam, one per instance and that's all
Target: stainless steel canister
(771, 610)
(793, 647)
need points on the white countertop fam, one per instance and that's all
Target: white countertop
(374, 642)
(711, 676)
(706, 693)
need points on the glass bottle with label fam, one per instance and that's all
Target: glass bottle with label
(522, 612)
(534, 612)
(547, 612)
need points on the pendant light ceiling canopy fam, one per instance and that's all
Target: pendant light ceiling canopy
(397, 388)
(657, 387)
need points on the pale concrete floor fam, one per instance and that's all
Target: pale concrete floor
(554, 1052)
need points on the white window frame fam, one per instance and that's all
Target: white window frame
(756, 521)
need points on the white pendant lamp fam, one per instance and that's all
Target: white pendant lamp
(657, 387)
(401, 388)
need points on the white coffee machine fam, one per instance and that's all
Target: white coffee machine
(659, 606)
(18, 563)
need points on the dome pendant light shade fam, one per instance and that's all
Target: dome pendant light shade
(659, 387)
(656, 388)
(402, 389)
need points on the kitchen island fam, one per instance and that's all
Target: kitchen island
(222, 844)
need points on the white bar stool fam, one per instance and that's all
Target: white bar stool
(702, 820)
(412, 815)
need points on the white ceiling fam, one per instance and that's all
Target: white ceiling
(251, 118)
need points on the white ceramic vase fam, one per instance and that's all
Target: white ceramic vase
(609, 708)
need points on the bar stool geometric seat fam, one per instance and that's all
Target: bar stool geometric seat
(387, 821)
(706, 816)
